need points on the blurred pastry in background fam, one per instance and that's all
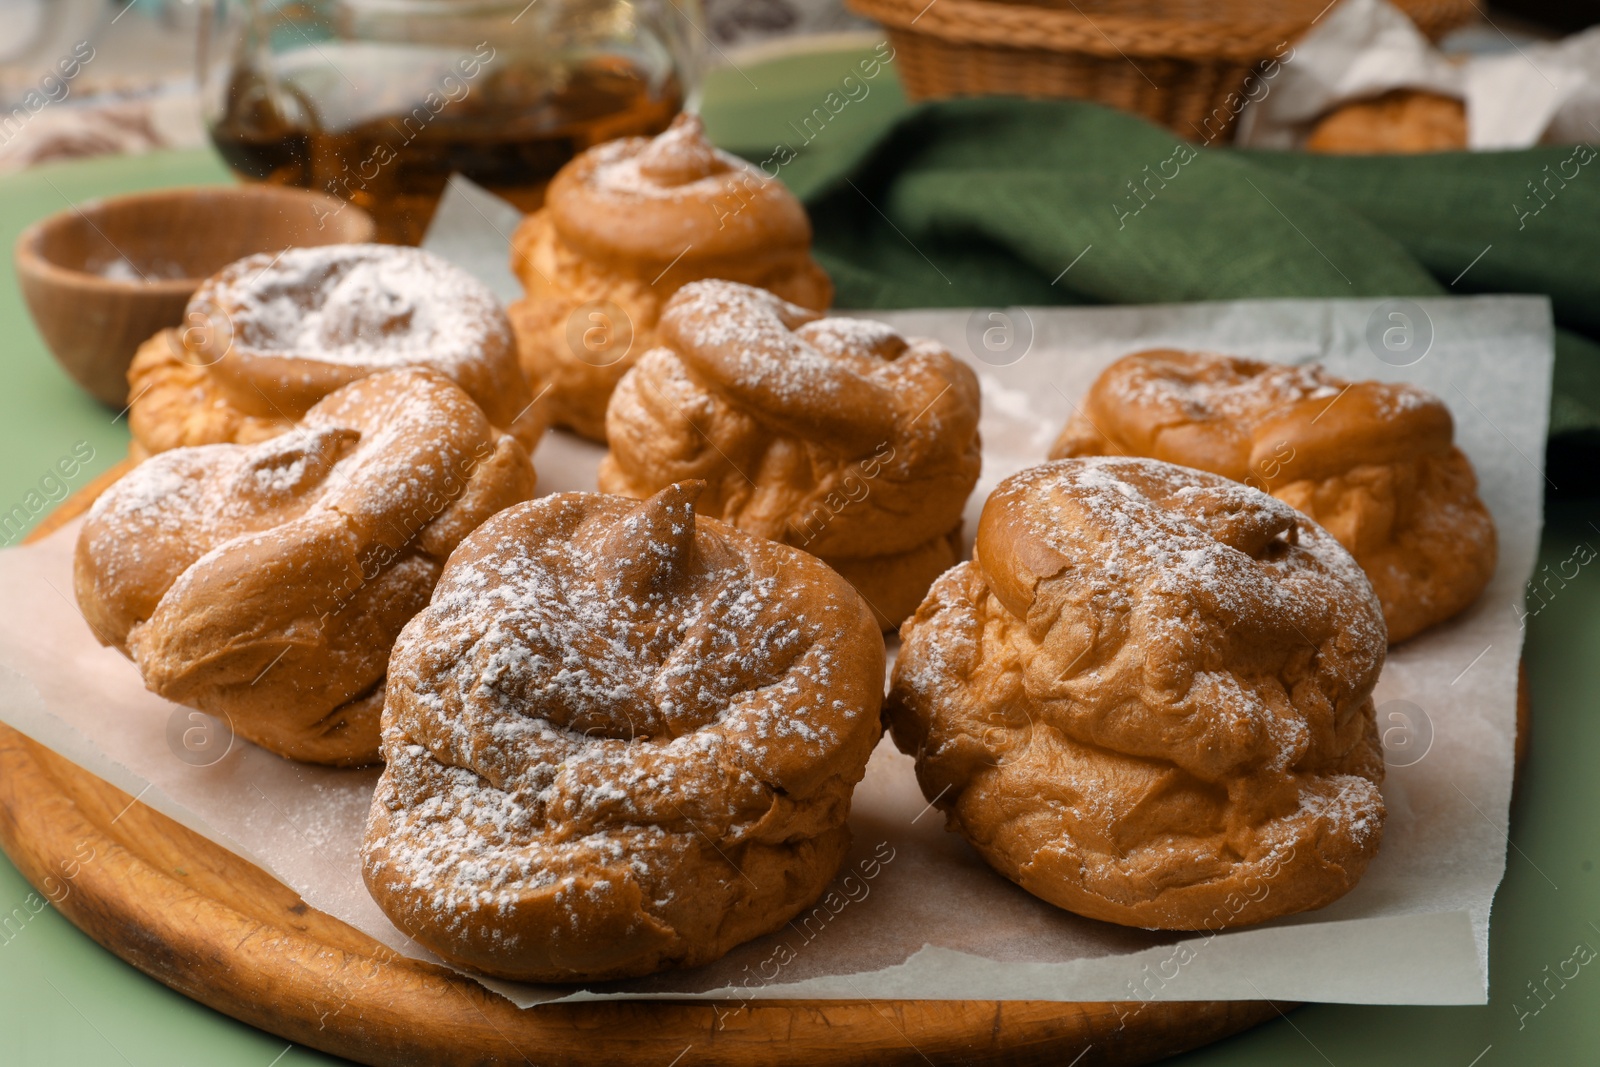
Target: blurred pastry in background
(1402, 120)
(624, 226)
(834, 435)
(267, 337)
(1375, 463)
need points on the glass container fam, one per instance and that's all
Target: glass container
(379, 101)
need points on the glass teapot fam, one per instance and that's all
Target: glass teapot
(379, 101)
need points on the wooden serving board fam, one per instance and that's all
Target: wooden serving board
(222, 931)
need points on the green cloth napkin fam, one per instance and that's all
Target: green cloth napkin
(1000, 201)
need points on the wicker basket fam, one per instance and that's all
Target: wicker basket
(1176, 62)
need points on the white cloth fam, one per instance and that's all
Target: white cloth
(1360, 49)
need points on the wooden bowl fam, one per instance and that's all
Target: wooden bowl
(102, 277)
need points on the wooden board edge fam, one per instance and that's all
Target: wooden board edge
(375, 1007)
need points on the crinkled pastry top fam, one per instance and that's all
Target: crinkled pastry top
(647, 201)
(1190, 584)
(1372, 462)
(1150, 686)
(268, 581)
(605, 701)
(1240, 417)
(277, 333)
(783, 409)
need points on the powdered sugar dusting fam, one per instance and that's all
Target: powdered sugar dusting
(851, 376)
(1374, 461)
(678, 164)
(1202, 386)
(1131, 632)
(558, 721)
(832, 433)
(372, 306)
(378, 461)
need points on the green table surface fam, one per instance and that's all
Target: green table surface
(65, 1000)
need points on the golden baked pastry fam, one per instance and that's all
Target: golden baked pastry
(621, 739)
(267, 337)
(267, 582)
(626, 224)
(1374, 463)
(834, 435)
(1148, 697)
(1401, 120)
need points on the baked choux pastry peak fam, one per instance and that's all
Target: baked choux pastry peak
(854, 384)
(648, 201)
(676, 157)
(651, 551)
(662, 609)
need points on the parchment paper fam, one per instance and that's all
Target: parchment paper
(915, 913)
